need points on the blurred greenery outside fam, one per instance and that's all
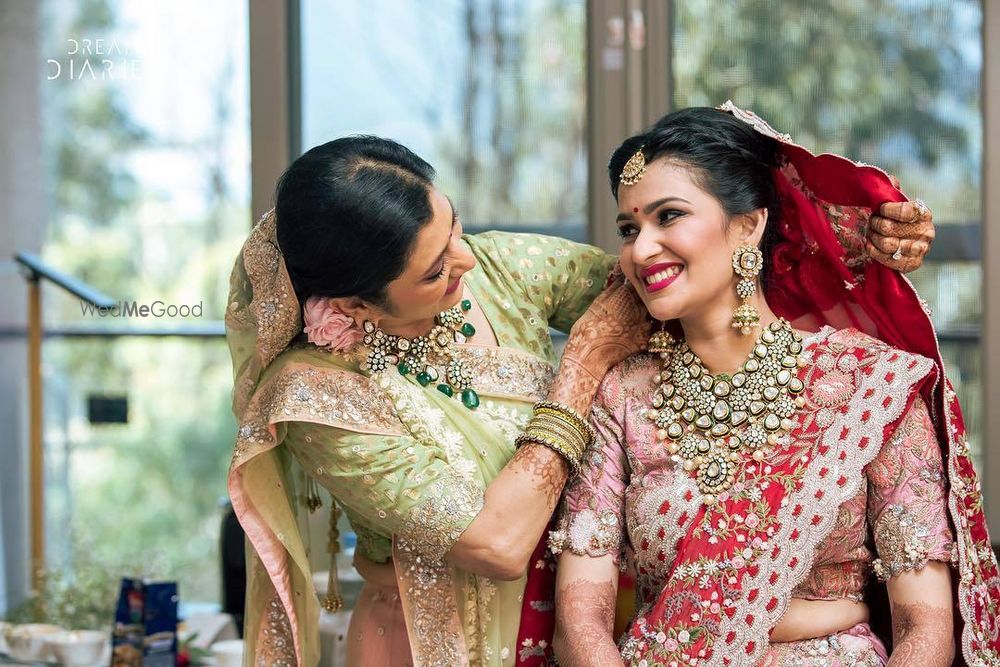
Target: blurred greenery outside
(896, 85)
(141, 498)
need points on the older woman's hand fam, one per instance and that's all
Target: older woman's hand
(900, 235)
(615, 326)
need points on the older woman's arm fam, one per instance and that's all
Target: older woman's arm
(586, 591)
(519, 502)
(922, 617)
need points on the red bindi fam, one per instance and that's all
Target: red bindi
(635, 210)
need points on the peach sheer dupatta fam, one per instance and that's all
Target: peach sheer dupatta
(262, 317)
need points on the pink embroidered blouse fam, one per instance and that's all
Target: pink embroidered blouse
(631, 500)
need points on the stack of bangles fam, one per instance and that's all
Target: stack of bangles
(559, 428)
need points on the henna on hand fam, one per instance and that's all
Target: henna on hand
(922, 635)
(585, 620)
(574, 386)
(615, 326)
(547, 469)
(904, 226)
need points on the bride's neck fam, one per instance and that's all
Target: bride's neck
(721, 347)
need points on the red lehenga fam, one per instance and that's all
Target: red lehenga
(875, 479)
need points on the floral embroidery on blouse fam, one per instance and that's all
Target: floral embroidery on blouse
(434, 524)
(903, 539)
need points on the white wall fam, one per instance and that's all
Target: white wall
(22, 222)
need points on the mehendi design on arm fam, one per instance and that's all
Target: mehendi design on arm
(574, 386)
(921, 636)
(614, 327)
(585, 618)
(548, 469)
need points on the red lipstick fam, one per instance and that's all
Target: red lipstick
(664, 280)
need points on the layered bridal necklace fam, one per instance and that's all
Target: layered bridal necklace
(708, 422)
(431, 357)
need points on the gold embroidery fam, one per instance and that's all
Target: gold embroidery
(275, 646)
(430, 609)
(504, 372)
(306, 393)
(449, 505)
(270, 312)
(901, 542)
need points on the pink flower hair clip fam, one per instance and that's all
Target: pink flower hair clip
(328, 326)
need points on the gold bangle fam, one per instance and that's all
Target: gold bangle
(555, 425)
(572, 460)
(569, 416)
(570, 444)
(564, 432)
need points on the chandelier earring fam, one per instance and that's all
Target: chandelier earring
(747, 263)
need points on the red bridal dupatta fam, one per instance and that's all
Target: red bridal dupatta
(822, 275)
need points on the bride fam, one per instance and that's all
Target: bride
(785, 469)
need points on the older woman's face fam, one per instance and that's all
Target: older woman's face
(676, 250)
(431, 281)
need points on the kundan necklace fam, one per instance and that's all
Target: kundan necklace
(430, 357)
(709, 421)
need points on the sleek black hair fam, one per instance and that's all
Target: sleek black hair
(348, 213)
(729, 159)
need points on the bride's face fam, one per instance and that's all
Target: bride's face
(432, 279)
(677, 243)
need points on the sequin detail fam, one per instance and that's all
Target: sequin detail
(448, 506)
(303, 392)
(901, 542)
(275, 647)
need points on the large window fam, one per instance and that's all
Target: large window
(892, 83)
(147, 150)
(490, 92)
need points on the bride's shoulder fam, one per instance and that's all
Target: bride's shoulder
(836, 342)
(631, 378)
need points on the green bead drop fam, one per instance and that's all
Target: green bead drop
(468, 330)
(423, 378)
(403, 368)
(466, 305)
(470, 398)
(446, 390)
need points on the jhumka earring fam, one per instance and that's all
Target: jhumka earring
(747, 263)
(660, 342)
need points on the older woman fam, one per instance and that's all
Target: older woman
(757, 467)
(384, 355)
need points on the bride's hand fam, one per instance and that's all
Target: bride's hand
(614, 327)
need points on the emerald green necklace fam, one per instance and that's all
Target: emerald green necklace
(431, 358)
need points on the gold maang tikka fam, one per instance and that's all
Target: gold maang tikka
(747, 263)
(634, 169)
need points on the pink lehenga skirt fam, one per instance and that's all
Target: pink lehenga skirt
(856, 647)
(377, 633)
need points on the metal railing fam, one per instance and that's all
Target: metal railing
(35, 271)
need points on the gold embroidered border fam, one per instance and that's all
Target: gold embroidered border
(307, 393)
(275, 644)
(505, 372)
(434, 524)
(437, 638)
